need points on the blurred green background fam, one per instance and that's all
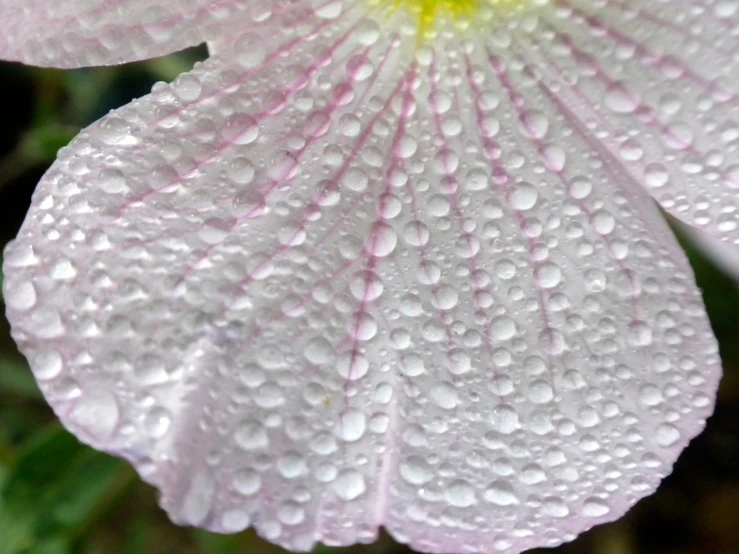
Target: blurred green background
(59, 497)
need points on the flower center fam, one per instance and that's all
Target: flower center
(462, 13)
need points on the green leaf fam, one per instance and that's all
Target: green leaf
(43, 142)
(3, 472)
(323, 549)
(16, 378)
(50, 547)
(37, 147)
(137, 537)
(212, 543)
(51, 492)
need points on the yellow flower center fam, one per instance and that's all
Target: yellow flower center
(462, 13)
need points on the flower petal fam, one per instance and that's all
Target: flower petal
(75, 33)
(657, 84)
(723, 255)
(333, 279)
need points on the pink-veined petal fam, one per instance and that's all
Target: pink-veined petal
(329, 281)
(76, 33)
(657, 85)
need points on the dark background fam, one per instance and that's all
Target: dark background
(59, 497)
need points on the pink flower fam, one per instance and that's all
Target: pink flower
(385, 262)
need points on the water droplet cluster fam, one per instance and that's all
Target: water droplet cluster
(80, 33)
(329, 281)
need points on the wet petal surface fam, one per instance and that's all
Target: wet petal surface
(657, 86)
(76, 33)
(333, 279)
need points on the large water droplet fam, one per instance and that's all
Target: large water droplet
(352, 424)
(460, 493)
(349, 484)
(198, 499)
(96, 412)
(415, 471)
(501, 493)
(381, 240)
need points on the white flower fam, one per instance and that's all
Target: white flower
(385, 262)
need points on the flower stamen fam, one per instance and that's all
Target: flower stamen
(461, 13)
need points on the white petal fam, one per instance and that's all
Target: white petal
(657, 85)
(724, 255)
(318, 287)
(75, 33)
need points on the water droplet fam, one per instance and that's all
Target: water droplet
(96, 413)
(214, 231)
(198, 499)
(667, 435)
(505, 418)
(548, 275)
(233, 521)
(249, 50)
(580, 188)
(319, 351)
(249, 204)
(242, 171)
(352, 365)
(240, 128)
(534, 124)
(362, 326)
(291, 513)
(603, 222)
(640, 333)
(115, 131)
(595, 507)
(505, 269)
(349, 484)
(46, 323)
(381, 241)
(356, 179)
(416, 233)
(540, 392)
(555, 507)
(247, 482)
(532, 474)
(438, 205)
(460, 494)
(187, 87)
(503, 327)
(291, 233)
(291, 465)
(269, 395)
(323, 443)
(46, 365)
(352, 424)
(251, 435)
(523, 196)
(501, 493)
(415, 471)
(445, 297)
(366, 286)
(445, 395)
(282, 167)
(620, 99)
(412, 364)
(157, 422)
(459, 361)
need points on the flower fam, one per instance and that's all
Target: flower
(385, 262)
